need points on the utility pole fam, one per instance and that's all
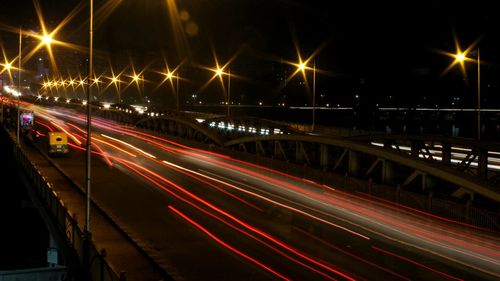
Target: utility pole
(19, 81)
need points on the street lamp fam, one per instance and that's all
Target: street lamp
(7, 66)
(219, 72)
(115, 80)
(19, 81)
(302, 67)
(170, 75)
(136, 78)
(46, 40)
(461, 57)
(89, 124)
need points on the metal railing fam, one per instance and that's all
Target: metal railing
(99, 269)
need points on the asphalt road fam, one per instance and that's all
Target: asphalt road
(217, 218)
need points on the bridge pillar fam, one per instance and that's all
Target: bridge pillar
(179, 130)
(446, 154)
(323, 157)
(430, 195)
(279, 152)
(354, 163)
(171, 127)
(482, 164)
(299, 157)
(387, 172)
(415, 148)
(163, 126)
(259, 148)
(300, 153)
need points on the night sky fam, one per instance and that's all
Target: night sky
(370, 48)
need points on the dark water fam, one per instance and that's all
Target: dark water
(457, 122)
(23, 235)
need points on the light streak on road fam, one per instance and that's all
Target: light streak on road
(220, 241)
(273, 201)
(156, 178)
(418, 264)
(129, 145)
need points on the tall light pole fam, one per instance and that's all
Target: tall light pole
(461, 57)
(89, 122)
(177, 93)
(170, 75)
(7, 66)
(19, 81)
(478, 95)
(219, 72)
(228, 92)
(142, 88)
(314, 97)
(302, 66)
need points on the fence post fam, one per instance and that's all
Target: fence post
(123, 277)
(370, 184)
(101, 270)
(398, 193)
(467, 210)
(429, 201)
(86, 254)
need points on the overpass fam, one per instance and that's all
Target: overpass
(432, 165)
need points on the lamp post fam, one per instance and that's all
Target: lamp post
(302, 66)
(19, 82)
(314, 97)
(219, 72)
(88, 175)
(478, 95)
(170, 76)
(228, 92)
(460, 57)
(116, 81)
(7, 66)
(87, 236)
(177, 93)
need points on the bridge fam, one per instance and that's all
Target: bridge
(212, 186)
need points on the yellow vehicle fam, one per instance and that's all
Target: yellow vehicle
(58, 143)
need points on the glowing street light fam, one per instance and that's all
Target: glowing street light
(169, 75)
(302, 67)
(7, 67)
(47, 39)
(19, 82)
(219, 71)
(115, 80)
(137, 78)
(460, 57)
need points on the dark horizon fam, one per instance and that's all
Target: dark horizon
(388, 53)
